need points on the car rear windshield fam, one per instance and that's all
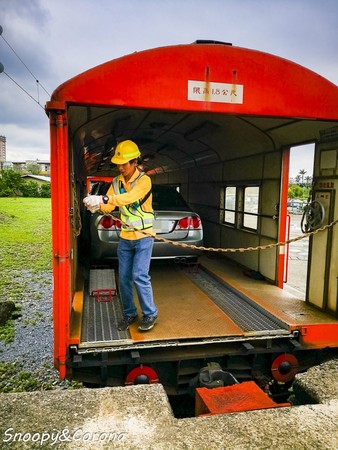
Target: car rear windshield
(165, 198)
(168, 199)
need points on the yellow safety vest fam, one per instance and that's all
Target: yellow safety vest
(133, 214)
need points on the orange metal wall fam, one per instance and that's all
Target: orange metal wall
(158, 78)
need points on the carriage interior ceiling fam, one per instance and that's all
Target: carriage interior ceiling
(201, 153)
(174, 141)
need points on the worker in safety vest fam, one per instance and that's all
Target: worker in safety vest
(131, 192)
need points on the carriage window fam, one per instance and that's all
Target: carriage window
(230, 204)
(250, 207)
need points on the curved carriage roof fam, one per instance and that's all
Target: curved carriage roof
(157, 78)
(193, 105)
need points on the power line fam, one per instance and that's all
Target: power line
(2, 70)
(35, 78)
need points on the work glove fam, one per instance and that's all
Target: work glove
(93, 209)
(92, 202)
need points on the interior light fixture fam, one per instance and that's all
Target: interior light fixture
(199, 131)
(120, 126)
(148, 157)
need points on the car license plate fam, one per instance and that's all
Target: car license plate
(163, 226)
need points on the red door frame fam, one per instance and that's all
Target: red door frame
(282, 234)
(61, 240)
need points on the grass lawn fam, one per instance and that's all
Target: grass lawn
(25, 233)
(25, 257)
(25, 242)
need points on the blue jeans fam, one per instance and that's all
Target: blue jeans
(134, 263)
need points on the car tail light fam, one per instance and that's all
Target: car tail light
(108, 222)
(187, 223)
(196, 223)
(183, 224)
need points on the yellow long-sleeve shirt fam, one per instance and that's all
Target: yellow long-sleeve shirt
(139, 190)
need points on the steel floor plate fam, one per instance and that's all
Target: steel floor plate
(243, 311)
(191, 306)
(100, 318)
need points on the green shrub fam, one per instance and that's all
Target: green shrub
(10, 182)
(30, 189)
(12, 185)
(45, 190)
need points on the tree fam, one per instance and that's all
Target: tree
(299, 192)
(30, 189)
(301, 187)
(34, 169)
(10, 183)
(301, 175)
(45, 190)
(308, 181)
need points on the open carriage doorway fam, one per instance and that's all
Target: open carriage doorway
(300, 183)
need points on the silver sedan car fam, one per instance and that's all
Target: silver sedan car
(174, 220)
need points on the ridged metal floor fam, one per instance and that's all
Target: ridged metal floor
(99, 325)
(99, 321)
(244, 312)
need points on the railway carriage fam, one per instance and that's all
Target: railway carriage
(217, 122)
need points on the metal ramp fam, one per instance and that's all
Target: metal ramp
(101, 311)
(205, 308)
(241, 309)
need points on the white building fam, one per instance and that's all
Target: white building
(2, 150)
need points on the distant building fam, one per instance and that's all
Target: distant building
(44, 166)
(23, 167)
(2, 151)
(18, 166)
(40, 179)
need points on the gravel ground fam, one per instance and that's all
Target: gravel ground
(32, 348)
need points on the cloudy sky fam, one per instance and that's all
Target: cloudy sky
(54, 40)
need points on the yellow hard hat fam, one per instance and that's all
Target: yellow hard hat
(125, 151)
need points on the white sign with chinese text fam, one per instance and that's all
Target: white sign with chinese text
(202, 91)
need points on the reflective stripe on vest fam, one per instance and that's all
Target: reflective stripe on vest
(133, 214)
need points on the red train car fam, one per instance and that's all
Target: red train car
(217, 121)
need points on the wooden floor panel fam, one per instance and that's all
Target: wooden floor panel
(184, 311)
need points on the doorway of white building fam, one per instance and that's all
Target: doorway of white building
(301, 173)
